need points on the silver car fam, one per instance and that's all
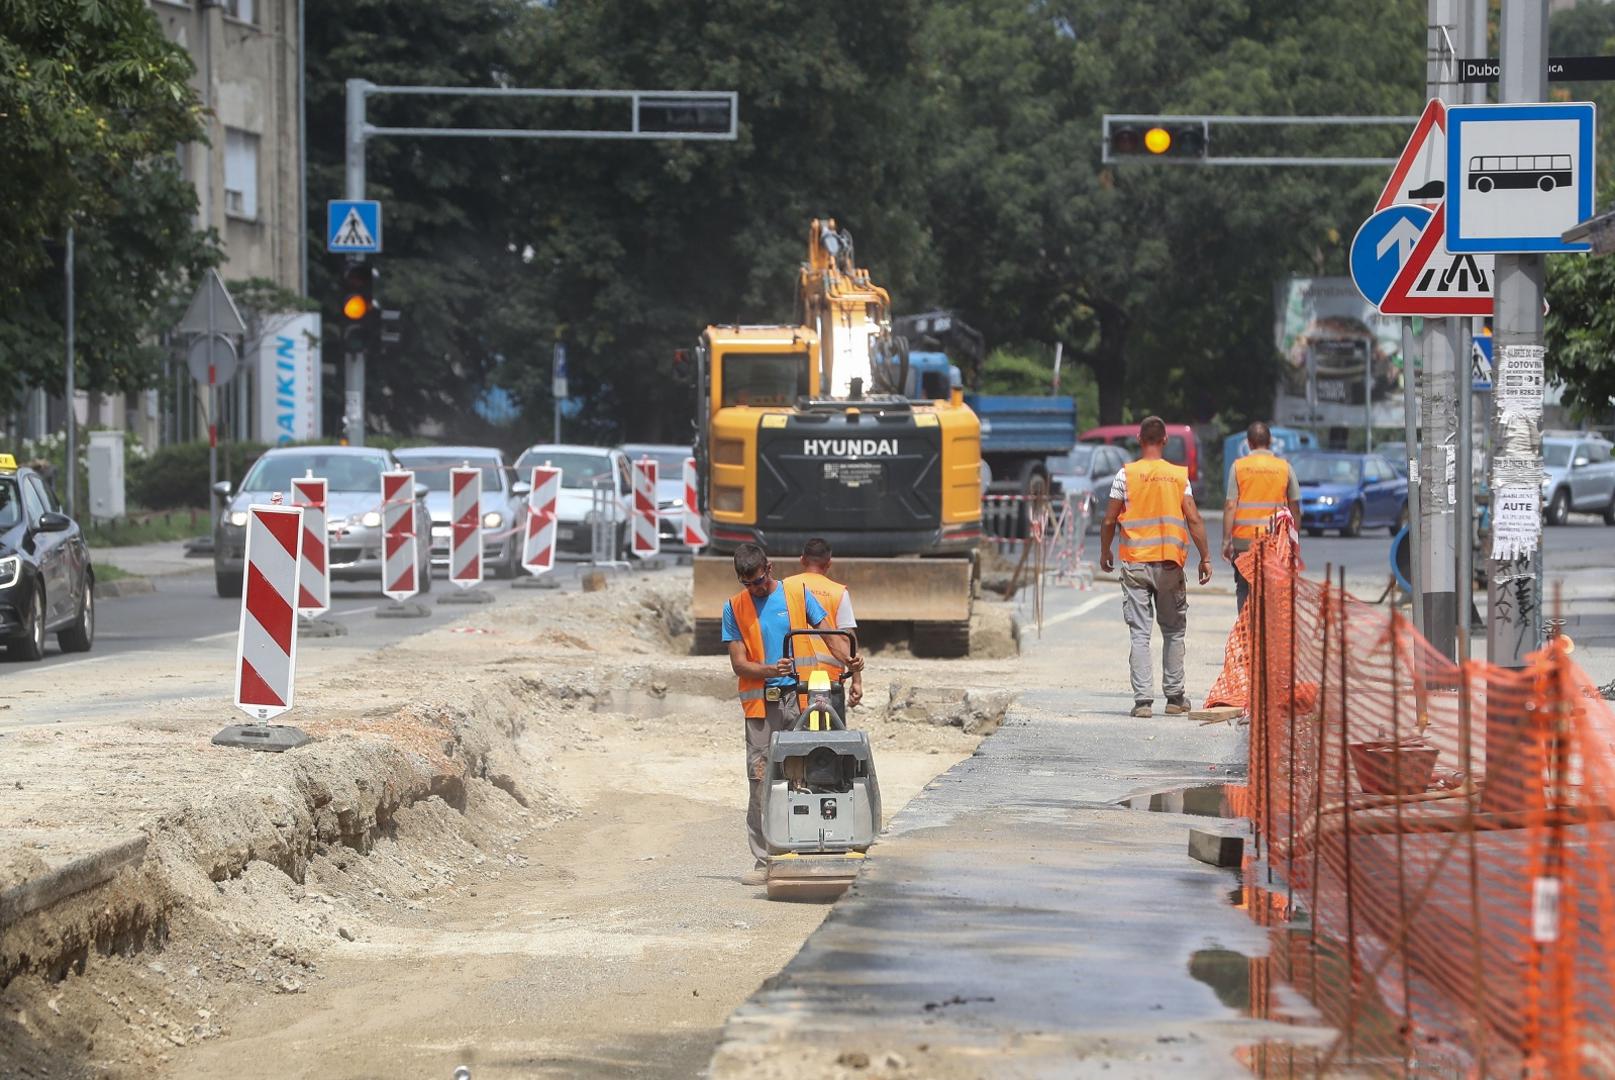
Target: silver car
(669, 460)
(1578, 474)
(588, 474)
(352, 511)
(503, 507)
(1088, 468)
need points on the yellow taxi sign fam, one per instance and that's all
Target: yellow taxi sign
(8, 463)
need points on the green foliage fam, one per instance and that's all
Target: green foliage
(175, 476)
(167, 525)
(1581, 331)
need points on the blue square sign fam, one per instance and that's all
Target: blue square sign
(353, 225)
(1518, 176)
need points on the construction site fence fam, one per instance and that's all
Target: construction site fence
(1439, 837)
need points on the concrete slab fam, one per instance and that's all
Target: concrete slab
(540, 581)
(406, 609)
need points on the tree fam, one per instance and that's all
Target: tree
(94, 100)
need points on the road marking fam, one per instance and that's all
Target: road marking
(355, 611)
(219, 636)
(1081, 609)
(75, 663)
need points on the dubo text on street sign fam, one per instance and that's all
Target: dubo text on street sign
(1518, 176)
(1560, 69)
(353, 226)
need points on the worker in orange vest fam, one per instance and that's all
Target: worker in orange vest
(755, 623)
(1152, 502)
(836, 599)
(1262, 483)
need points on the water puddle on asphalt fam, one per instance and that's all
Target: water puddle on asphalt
(1200, 800)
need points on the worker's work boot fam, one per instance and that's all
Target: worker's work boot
(1176, 706)
(757, 875)
(1142, 709)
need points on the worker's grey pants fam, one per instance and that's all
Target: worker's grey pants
(779, 717)
(1155, 589)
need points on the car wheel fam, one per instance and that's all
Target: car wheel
(1609, 511)
(81, 635)
(1559, 507)
(1354, 521)
(424, 574)
(227, 585)
(31, 646)
(1401, 521)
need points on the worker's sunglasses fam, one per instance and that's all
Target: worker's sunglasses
(752, 583)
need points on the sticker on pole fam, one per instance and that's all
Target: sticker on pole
(647, 538)
(1518, 176)
(314, 583)
(400, 559)
(1435, 282)
(538, 543)
(465, 543)
(1420, 174)
(695, 533)
(266, 638)
(1382, 246)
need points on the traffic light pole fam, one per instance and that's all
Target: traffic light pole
(353, 417)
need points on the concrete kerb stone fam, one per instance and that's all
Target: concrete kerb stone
(73, 876)
(320, 628)
(1216, 848)
(538, 581)
(466, 596)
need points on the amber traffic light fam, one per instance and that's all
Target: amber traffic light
(358, 304)
(1183, 141)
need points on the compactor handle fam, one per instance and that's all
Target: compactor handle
(790, 644)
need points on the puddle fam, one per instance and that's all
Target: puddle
(1201, 800)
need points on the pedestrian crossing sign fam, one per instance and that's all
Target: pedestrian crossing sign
(1435, 282)
(353, 225)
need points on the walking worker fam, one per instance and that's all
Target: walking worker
(755, 623)
(1262, 483)
(1152, 502)
(836, 599)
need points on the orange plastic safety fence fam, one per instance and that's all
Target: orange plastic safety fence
(1448, 830)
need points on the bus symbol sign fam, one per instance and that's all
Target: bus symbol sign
(1500, 200)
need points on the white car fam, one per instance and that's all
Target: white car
(595, 480)
(669, 460)
(502, 510)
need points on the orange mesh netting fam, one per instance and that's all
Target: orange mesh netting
(1448, 831)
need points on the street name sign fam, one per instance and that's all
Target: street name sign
(353, 226)
(1518, 176)
(1560, 69)
(1382, 246)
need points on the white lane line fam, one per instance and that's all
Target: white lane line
(219, 636)
(355, 611)
(1081, 609)
(76, 663)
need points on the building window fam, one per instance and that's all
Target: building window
(240, 10)
(241, 174)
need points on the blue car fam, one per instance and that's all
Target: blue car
(1349, 492)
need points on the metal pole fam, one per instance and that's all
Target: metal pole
(302, 152)
(1472, 35)
(71, 389)
(1368, 397)
(1410, 420)
(212, 408)
(1514, 609)
(353, 372)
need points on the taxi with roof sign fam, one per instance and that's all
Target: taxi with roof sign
(47, 585)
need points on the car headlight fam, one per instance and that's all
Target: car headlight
(10, 568)
(1326, 500)
(371, 519)
(676, 504)
(492, 520)
(238, 518)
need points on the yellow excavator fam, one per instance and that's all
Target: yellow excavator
(803, 430)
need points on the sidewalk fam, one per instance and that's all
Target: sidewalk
(150, 560)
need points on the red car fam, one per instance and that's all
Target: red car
(1182, 448)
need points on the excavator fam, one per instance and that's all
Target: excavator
(804, 430)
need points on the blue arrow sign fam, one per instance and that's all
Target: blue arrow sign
(353, 225)
(1382, 245)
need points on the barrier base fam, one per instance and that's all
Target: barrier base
(536, 581)
(403, 609)
(272, 738)
(466, 596)
(653, 562)
(319, 628)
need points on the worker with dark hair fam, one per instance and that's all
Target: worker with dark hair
(756, 621)
(1262, 483)
(836, 599)
(1152, 502)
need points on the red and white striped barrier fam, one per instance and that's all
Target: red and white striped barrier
(695, 533)
(266, 638)
(647, 538)
(465, 542)
(399, 555)
(538, 545)
(314, 582)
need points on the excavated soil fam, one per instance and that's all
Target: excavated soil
(514, 844)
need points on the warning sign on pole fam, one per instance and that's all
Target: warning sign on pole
(465, 544)
(400, 559)
(314, 583)
(266, 640)
(695, 534)
(538, 544)
(647, 540)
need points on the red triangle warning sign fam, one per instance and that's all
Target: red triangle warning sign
(1436, 282)
(1420, 174)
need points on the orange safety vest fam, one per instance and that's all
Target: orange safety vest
(1153, 526)
(754, 692)
(828, 593)
(1263, 481)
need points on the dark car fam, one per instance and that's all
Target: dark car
(47, 585)
(1349, 492)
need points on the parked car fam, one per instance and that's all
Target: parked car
(669, 460)
(1578, 475)
(502, 510)
(47, 585)
(1087, 470)
(1182, 448)
(352, 511)
(1349, 492)
(583, 470)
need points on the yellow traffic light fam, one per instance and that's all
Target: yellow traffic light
(356, 307)
(1157, 140)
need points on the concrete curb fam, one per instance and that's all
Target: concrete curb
(73, 876)
(130, 586)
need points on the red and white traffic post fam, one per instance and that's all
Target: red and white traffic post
(314, 582)
(695, 533)
(647, 539)
(400, 556)
(465, 543)
(538, 539)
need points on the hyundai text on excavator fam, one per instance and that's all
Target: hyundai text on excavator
(803, 430)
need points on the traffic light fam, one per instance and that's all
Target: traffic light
(1176, 141)
(358, 304)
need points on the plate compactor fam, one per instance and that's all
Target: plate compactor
(821, 806)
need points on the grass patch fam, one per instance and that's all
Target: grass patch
(105, 572)
(149, 528)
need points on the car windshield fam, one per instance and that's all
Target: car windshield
(577, 470)
(1177, 450)
(1077, 461)
(10, 503)
(434, 471)
(669, 463)
(342, 472)
(1311, 469)
(1556, 455)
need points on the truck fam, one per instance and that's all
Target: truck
(809, 429)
